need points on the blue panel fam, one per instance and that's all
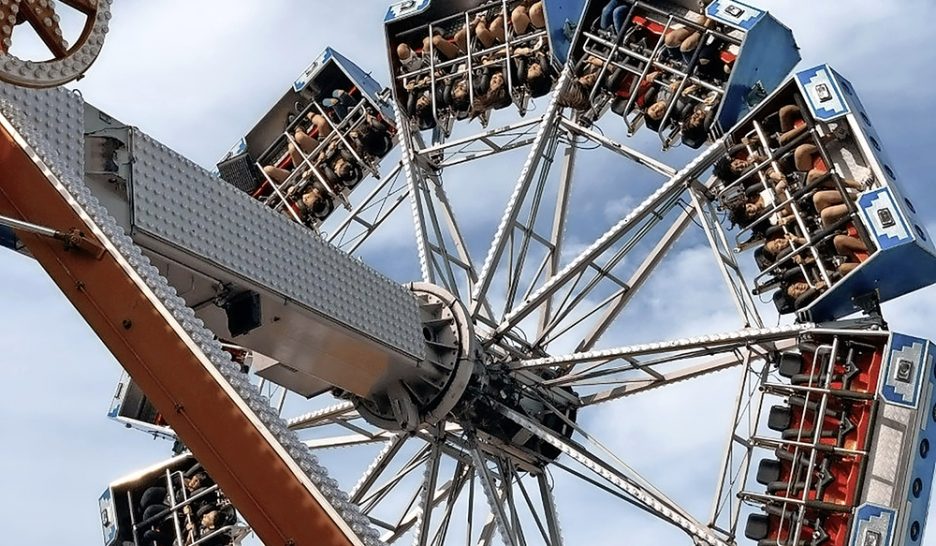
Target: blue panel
(887, 173)
(884, 219)
(823, 93)
(905, 371)
(108, 518)
(734, 14)
(768, 54)
(920, 482)
(563, 18)
(8, 238)
(892, 273)
(405, 8)
(873, 526)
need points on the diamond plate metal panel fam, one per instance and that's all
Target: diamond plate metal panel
(43, 148)
(180, 203)
(57, 115)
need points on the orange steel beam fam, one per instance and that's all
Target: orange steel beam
(265, 484)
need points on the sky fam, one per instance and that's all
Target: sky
(197, 75)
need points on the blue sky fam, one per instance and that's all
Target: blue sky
(196, 75)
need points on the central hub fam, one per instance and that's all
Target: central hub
(458, 382)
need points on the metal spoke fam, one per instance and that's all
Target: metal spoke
(428, 492)
(324, 416)
(662, 507)
(636, 281)
(741, 294)
(549, 505)
(713, 343)
(380, 203)
(546, 132)
(657, 205)
(43, 19)
(493, 496)
(482, 145)
(377, 467)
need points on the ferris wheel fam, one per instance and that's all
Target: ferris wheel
(495, 418)
(28, 65)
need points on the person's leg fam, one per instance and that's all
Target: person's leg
(276, 174)
(538, 15)
(789, 115)
(306, 143)
(847, 268)
(848, 246)
(827, 198)
(690, 43)
(498, 28)
(520, 18)
(620, 17)
(446, 48)
(676, 37)
(484, 34)
(607, 14)
(320, 123)
(294, 155)
(833, 214)
(803, 157)
(461, 39)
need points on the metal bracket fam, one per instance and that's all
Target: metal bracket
(73, 239)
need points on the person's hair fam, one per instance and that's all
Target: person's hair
(694, 131)
(539, 85)
(488, 100)
(423, 108)
(575, 96)
(763, 258)
(724, 171)
(738, 215)
(461, 99)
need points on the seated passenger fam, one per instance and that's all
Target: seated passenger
(756, 206)
(419, 101)
(697, 125)
(778, 243)
(655, 113)
(534, 70)
(736, 163)
(371, 138)
(576, 94)
(496, 94)
(623, 85)
(316, 204)
(800, 292)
